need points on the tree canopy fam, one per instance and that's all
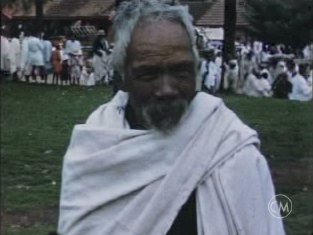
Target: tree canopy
(281, 21)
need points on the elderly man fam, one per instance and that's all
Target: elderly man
(160, 158)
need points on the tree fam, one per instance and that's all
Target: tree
(230, 17)
(281, 21)
(27, 4)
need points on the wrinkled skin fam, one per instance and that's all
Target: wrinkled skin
(159, 74)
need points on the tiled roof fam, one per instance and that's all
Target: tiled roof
(205, 13)
(71, 9)
(212, 14)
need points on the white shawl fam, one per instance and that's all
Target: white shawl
(120, 181)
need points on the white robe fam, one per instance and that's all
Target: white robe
(35, 52)
(212, 73)
(72, 46)
(120, 181)
(91, 80)
(300, 89)
(24, 53)
(15, 54)
(5, 54)
(231, 77)
(47, 53)
(255, 87)
(100, 66)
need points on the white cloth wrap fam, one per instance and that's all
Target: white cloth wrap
(120, 181)
(100, 65)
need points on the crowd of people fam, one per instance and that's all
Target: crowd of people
(30, 56)
(259, 70)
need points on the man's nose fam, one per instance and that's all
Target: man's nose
(166, 89)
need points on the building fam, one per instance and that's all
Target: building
(59, 14)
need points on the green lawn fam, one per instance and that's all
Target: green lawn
(36, 124)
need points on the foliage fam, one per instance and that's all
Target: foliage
(281, 21)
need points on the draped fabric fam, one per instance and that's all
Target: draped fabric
(121, 181)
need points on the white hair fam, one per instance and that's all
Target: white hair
(130, 12)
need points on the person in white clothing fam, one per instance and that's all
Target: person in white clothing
(72, 45)
(15, 54)
(160, 146)
(231, 76)
(257, 49)
(47, 53)
(25, 66)
(5, 53)
(36, 56)
(218, 62)
(300, 89)
(209, 72)
(100, 57)
(257, 85)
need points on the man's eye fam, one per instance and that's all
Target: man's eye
(184, 75)
(146, 77)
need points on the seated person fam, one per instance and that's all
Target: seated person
(257, 85)
(300, 89)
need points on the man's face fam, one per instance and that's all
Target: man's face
(160, 73)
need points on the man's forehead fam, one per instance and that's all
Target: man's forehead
(159, 40)
(162, 33)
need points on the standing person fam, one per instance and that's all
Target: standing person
(5, 52)
(231, 75)
(257, 49)
(247, 65)
(47, 53)
(161, 158)
(265, 55)
(209, 72)
(100, 56)
(72, 44)
(15, 54)
(76, 66)
(25, 65)
(300, 89)
(218, 62)
(72, 47)
(66, 70)
(56, 64)
(35, 56)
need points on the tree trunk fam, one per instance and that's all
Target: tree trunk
(39, 14)
(229, 50)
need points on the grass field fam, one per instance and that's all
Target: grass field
(36, 124)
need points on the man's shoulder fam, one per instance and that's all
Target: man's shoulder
(96, 117)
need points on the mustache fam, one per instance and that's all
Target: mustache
(164, 115)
